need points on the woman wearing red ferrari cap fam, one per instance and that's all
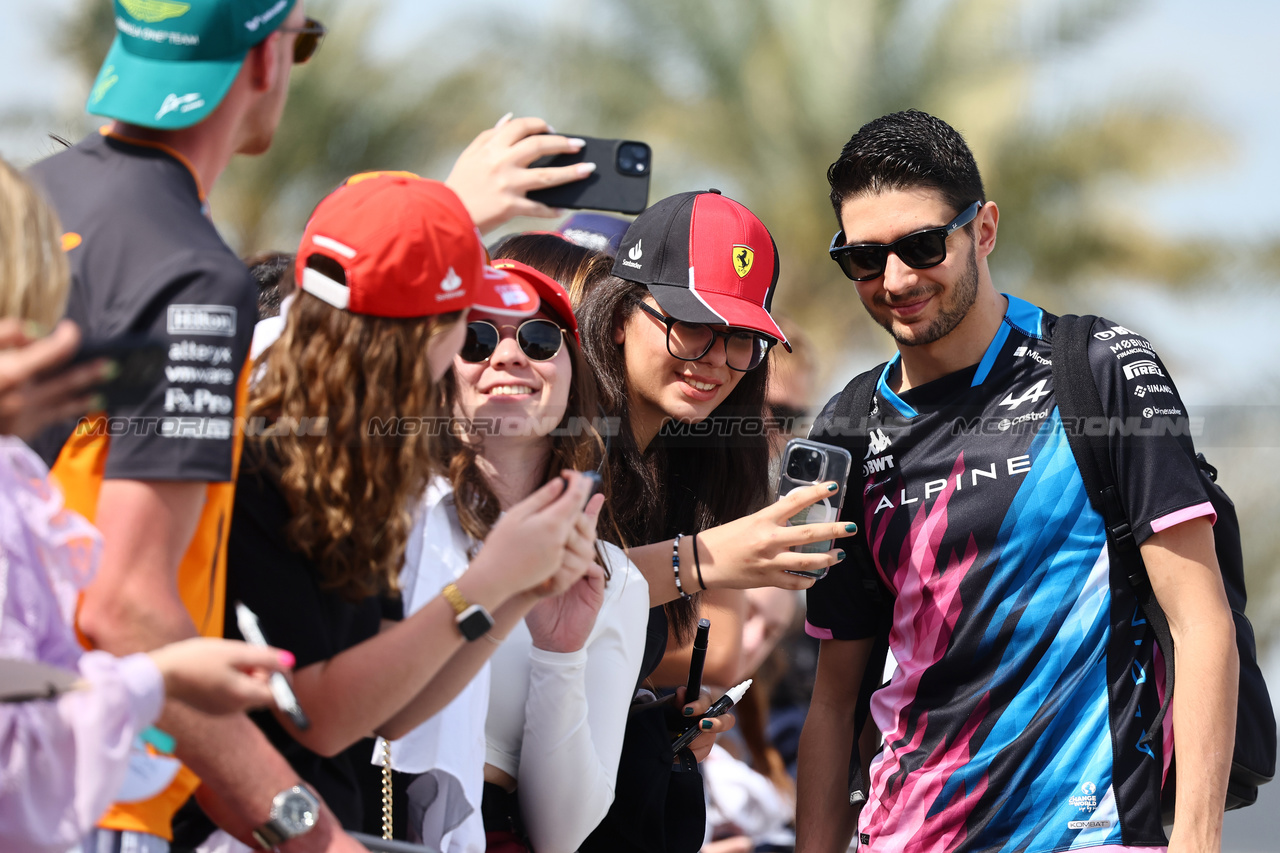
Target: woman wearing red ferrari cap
(678, 337)
(388, 268)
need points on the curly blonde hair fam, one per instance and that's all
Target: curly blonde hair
(351, 488)
(34, 275)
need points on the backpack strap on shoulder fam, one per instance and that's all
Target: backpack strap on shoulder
(847, 426)
(1087, 426)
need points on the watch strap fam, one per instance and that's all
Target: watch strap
(456, 600)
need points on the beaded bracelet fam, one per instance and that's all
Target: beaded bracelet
(697, 563)
(675, 566)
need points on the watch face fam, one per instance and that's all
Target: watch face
(474, 622)
(298, 813)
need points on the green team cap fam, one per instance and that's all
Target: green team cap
(172, 62)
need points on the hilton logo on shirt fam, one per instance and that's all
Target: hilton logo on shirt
(217, 320)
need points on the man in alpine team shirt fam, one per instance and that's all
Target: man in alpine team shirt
(189, 86)
(1002, 729)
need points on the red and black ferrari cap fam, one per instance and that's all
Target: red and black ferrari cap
(706, 259)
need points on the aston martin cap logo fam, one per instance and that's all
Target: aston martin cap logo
(743, 257)
(155, 11)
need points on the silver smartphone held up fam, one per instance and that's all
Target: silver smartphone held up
(805, 463)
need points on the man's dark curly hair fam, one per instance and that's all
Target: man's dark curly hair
(903, 151)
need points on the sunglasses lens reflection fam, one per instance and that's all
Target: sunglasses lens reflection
(482, 340)
(539, 339)
(923, 250)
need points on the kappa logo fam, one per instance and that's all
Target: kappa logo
(743, 258)
(877, 443)
(154, 11)
(183, 103)
(451, 281)
(1145, 367)
(634, 254)
(1034, 393)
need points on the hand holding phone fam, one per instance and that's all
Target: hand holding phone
(804, 463)
(620, 181)
(492, 176)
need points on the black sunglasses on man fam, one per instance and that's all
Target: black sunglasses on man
(921, 250)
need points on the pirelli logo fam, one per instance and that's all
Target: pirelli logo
(219, 320)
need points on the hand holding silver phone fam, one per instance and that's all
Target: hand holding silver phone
(805, 463)
(247, 622)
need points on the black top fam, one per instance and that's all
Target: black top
(296, 613)
(146, 260)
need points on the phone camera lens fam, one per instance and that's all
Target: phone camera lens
(633, 159)
(804, 465)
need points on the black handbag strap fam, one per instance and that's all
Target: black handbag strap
(1087, 426)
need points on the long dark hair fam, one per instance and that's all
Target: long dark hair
(690, 477)
(575, 267)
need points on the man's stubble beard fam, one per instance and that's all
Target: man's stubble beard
(963, 297)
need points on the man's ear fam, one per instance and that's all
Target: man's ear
(261, 64)
(619, 331)
(985, 228)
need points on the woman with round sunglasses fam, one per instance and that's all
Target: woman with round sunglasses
(678, 338)
(544, 719)
(388, 266)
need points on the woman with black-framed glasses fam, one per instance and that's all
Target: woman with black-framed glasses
(678, 338)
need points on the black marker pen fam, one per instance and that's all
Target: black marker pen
(696, 662)
(719, 707)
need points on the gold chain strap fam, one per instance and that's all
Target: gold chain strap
(386, 789)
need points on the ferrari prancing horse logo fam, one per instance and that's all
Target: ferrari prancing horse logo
(743, 256)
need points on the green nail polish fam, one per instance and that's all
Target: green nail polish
(706, 725)
(851, 528)
(839, 556)
(97, 403)
(110, 370)
(34, 330)
(833, 487)
(688, 712)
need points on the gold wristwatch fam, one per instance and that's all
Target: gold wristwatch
(473, 620)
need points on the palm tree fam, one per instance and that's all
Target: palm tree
(758, 96)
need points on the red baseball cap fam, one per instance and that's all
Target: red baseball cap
(407, 248)
(554, 297)
(706, 259)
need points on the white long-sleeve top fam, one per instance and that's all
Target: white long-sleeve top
(556, 720)
(450, 745)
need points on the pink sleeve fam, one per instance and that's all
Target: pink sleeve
(62, 762)
(815, 631)
(1200, 510)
